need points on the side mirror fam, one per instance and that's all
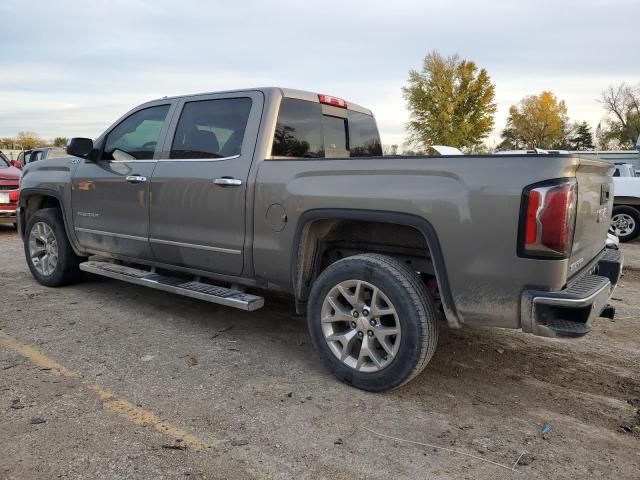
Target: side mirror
(80, 147)
(16, 164)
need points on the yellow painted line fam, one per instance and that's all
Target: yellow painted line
(124, 408)
(143, 417)
(35, 356)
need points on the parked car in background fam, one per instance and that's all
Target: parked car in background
(284, 190)
(625, 218)
(9, 191)
(13, 163)
(36, 154)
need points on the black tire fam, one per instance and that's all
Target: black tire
(67, 269)
(415, 310)
(634, 214)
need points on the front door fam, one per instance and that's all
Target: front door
(110, 195)
(198, 193)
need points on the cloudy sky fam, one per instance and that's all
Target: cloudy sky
(70, 68)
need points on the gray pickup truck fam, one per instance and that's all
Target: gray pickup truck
(223, 196)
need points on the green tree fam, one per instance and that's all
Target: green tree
(582, 138)
(538, 121)
(60, 142)
(451, 102)
(7, 142)
(29, 140)
(622, 104)
(510, 140)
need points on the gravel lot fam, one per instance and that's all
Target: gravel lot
(118, 374)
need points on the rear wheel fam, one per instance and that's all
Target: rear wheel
(625, 222)
(372, 322)
(49, 255)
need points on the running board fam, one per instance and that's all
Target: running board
(181, 286)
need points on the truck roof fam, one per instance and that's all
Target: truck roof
(283, 92)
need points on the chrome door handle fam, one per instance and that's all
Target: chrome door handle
(227, 182)
(135, 178)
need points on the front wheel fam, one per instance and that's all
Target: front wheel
(625, 222)
(372, 322)
(49, 254)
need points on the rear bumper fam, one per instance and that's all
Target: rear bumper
(7, 216)
(567, 313)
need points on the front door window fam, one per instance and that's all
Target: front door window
(136, 137)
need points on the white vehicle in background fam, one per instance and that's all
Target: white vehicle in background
(625, 218)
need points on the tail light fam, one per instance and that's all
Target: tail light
(547, 219)
(336, 102)
(14, 196)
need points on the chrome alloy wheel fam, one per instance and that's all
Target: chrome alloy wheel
(623, 224)
(360, 325)
(43, 248)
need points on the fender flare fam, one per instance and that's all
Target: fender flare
(382, 216)
(29, 192)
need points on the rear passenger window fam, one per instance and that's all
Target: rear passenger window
(136, 137)
(211, 128)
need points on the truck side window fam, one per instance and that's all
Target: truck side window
(136, 137)
(299, 130)
(364, 140)
(211, 128)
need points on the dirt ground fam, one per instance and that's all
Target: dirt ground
(128, 382)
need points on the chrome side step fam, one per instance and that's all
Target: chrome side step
(181, 286)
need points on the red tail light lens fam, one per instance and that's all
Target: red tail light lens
(532, 217)
(14, 196)
(548, 220)
(336, 102)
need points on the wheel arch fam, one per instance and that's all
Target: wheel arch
(34, 199)
(314, 225)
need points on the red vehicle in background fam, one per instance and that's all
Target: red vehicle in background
(9, 190)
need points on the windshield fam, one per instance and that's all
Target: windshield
(4, 162)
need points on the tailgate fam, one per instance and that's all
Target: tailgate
(593, 212)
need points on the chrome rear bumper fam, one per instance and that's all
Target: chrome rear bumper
(7, 216)
(567, 313)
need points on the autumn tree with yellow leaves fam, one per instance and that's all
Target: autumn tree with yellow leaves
(538, 121)
(451, 102)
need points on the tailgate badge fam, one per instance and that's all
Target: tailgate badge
(601, 214)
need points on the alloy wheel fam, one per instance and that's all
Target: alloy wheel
(361, 325)
(43, 248)
(623, 224)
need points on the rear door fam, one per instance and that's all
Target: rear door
(198, 192)
(110, 195)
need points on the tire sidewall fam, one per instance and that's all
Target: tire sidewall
(409, 353)
(66, 259)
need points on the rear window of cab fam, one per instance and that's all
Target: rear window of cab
(303, 130)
